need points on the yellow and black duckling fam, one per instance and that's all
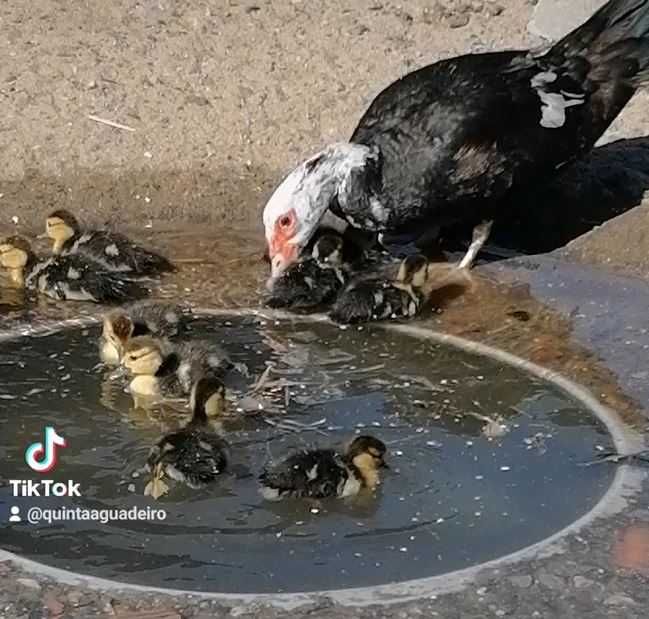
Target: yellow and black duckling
(72, 277)
(115, 251)
(143, 318)
(403, 296)
(314, 280)
(164, 370)
(195, 455)
(324, 473)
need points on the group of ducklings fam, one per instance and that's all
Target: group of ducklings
(86, 265)
(325, 278)
(143, 339)
(106, 267)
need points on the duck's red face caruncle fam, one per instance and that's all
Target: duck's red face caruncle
(293, 213)
(282, 248)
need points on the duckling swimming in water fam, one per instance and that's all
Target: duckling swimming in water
(115, 251)
(72, 277)
(195, 455)
(165, 370)
(314, 280)
(323, 473)
(403, 296)
(143, 318)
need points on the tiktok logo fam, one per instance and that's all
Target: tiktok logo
(42, 457)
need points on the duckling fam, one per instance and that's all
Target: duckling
(115, 251)
(313, 281)
(195, 455)
(72, 277)
(401, 297)
(165, 370)
(323, 473)
(143, 318)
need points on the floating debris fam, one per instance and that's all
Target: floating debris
(493, 428)
(640, 457)
(156, 487)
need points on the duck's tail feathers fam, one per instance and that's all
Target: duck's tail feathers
(115, 288)
(616, 36)
(151, 263)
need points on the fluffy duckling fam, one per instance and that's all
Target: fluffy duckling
(115, 251)
(313, 281)
(143, 318)
(164, 370)
(401, 297)
(323, 473)
(73, 277)
(195, 455)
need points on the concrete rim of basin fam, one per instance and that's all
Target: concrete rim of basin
(626, 483)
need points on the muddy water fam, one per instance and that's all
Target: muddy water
(452, 498)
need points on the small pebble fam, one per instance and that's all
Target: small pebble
(30, 583)
(457, 20)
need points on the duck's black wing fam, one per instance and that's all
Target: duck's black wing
(76, 277)
(371, 299)
(117, 252)
(310, 474)
(194, 456)
(454, 137)
(201, 357)
(162, 319)
(305, 285)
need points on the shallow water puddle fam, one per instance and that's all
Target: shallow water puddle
(484, 460)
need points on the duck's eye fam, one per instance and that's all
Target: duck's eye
(285, 221)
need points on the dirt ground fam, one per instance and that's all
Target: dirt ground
(222, 97)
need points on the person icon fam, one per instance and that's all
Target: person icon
(15, 514)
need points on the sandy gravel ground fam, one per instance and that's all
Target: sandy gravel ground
(223, 97)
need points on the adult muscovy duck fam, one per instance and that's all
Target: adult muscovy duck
(445, 144)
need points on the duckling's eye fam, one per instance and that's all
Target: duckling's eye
(132, 358)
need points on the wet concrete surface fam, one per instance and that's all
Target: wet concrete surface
(581, 321)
